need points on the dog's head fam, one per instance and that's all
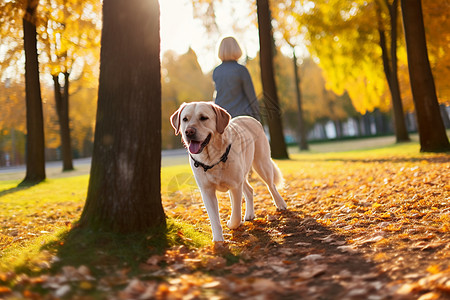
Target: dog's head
(198, 122)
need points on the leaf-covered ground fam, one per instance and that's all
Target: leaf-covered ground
(360, 225)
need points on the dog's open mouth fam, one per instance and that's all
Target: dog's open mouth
(196, 147)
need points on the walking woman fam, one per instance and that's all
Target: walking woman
(234, 86)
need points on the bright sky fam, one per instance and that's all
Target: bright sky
(179, 30)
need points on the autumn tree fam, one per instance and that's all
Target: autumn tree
(83, 106)
(68, 41)
(289, 29)
(302, 136)
(70, 37)
(12, 14)
(318, 103)
(342, 35)
(124, 185)
(35, 156)
(272, 107)
(437, 21)
(432, 135)
(62, 110)
(390, 63)
(56, 55)
(12, 120)
(341, 38)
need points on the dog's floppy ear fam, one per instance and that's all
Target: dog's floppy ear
(222, 118)
(175, 119)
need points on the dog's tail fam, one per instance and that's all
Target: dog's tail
(277, 176)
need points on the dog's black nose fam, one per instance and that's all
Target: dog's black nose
(190, 132)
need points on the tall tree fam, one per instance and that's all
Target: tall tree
(390, 67)
(302, 136)
(289, 28)
(71, 38)
(124, 187)
(35, 154)
(68, 39)
(62, 110)
(432, 135)
(436, 16)
(273, 112)
(342, 36)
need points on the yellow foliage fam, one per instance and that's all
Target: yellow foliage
(343, 36)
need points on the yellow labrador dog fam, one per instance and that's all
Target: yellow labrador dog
(222, 152)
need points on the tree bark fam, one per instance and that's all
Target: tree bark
(390, 70)
(62, 109)
(273, 111)
(338, 128)
(124, 187)
(432, 135)
(367, 124)
(35, 147)
(302, 138)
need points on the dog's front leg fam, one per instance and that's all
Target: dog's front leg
(249, 208)
(236, 204)
(212, 208)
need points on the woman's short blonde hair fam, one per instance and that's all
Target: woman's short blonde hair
(229, 49)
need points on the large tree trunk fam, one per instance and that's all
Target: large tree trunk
(35, 148)
(124, 187)
(273, 111)
(390, 70)
(302, 138)
(432, 135)
(62, 109)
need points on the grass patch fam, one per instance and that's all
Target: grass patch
(177, 178)
(29, 258)
(403, 151)
(8, 184)
(100, 250)
(35, 228)
(106, 250)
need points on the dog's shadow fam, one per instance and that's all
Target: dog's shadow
(286, 245)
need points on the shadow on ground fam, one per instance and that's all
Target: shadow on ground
(18, 188)
(307, 261)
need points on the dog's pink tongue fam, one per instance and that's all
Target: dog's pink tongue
(194, 147)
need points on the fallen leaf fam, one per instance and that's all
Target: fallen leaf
(312, 257)
(312, 271)
(5, 290)
(264, 285)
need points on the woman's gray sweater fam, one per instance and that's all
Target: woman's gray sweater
(234, 90)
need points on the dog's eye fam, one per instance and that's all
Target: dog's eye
(185, 119)
(203, 118)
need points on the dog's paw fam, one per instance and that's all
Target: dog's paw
(218, 238)
(249, 217)
(233, 225)
(282, 207)
(221, 248)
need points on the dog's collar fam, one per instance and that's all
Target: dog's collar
(223, 158)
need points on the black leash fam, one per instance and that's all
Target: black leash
(206, 167)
